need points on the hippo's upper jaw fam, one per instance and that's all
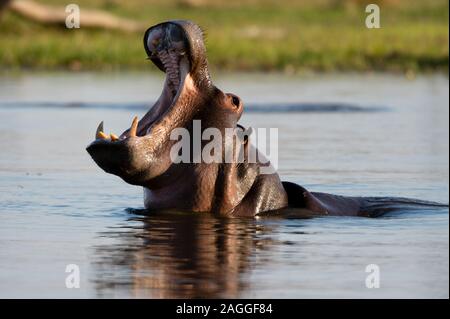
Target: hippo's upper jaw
(141, 152)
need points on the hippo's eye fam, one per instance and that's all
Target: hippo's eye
(235, 101)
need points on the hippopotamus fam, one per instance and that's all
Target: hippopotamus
(143, 154)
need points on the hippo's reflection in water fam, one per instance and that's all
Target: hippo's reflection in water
(178, 255)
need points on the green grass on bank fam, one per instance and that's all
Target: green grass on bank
(289, 35)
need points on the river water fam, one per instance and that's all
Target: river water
(348, 134)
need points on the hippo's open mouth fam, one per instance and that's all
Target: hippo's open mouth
(167, 47)
(142, 152)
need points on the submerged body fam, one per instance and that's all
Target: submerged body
(142, 154)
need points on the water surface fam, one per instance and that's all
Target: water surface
(362, 135)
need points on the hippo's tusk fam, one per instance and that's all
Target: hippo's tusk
(114, 137)
(133, 128)
(102, 135)
(99, 130)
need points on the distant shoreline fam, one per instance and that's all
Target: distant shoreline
(300, 37)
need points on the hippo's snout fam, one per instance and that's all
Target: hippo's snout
(107, 155)
(125, 158)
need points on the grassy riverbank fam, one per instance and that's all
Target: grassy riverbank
(325, 35)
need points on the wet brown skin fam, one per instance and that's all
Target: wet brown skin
(233, 189)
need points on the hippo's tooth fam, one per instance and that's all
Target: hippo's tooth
(99, 129)
(102, 135)
(114, 137)
(133, 128)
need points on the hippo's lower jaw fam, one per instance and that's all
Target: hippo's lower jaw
(121, 155)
